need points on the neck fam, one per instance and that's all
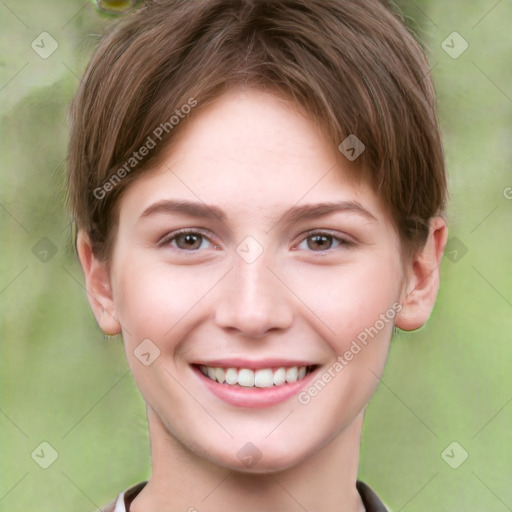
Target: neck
(183, 481)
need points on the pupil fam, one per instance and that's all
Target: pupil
(321, 240)
(190, 240)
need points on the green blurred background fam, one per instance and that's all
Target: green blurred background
(64, 384)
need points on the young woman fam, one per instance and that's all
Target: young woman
(258, 188)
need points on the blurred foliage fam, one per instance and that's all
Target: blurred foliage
(62, 382)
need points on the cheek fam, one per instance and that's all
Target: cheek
(154, 298)
(348, 301)
(358, 304)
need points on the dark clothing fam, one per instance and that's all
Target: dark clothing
(370, 500)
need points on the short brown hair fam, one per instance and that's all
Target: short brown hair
(353, 65)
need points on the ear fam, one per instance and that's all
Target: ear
(420, 292)
(98, 287)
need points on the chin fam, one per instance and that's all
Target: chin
(263, 466)
(252, 461)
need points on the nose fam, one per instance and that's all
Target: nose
(253, 300)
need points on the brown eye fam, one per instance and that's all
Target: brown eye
(320, 242)
(189, 241)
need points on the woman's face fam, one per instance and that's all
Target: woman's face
(250, 256)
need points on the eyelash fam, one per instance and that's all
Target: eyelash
(166, 240)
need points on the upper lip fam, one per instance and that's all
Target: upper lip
(254, 365)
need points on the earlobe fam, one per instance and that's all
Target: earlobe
(419, 298)
(98, 287)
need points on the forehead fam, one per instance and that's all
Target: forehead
(251, 152)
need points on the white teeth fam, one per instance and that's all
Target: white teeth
(264, 378)
(280, 376)
(220, 375)
(291, 374)
(246, 378)
(231, 376)
(261, 378)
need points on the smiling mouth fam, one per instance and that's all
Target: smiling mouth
(260, 378)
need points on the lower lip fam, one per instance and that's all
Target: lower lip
(254, 397)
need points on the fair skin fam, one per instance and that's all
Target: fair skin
(207, 300)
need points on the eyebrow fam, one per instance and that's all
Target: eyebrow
(293, 215)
